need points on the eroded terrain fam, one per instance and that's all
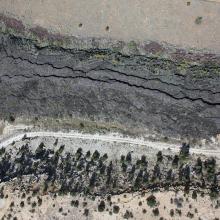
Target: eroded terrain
(111, 114)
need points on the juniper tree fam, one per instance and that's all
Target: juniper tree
(101, 206)
(96, 155)
(175, 160)
(128, 157)
(92, 179)
(184, 150)
(159, 156)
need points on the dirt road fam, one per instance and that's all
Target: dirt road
(108, 138)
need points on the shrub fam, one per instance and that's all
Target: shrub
(159, 156)
(171, 212)
(190, 215)
(33, 204)
(92, 179)
(11, 118)
(194, 195)
(175, 160)
(75, 203)
(101, 206)
(109, 198)
(198, 20)
(56, 142)
(184, 150)
(128, 157)
(22, 204)
(151, 201)
(86, 212)
(105, 156)
(2, 151)
(156, 211)
(39, 201)
(88, 154)
(143, 159)
(116, 209)
(96, 155)
(128, 214)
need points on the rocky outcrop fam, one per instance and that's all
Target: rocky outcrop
(172, 97)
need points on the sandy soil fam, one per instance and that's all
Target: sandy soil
(62, 207)
(170, 21)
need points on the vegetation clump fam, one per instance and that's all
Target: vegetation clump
(151, 201)
(116, 209)
(101, 206)
(61, 172)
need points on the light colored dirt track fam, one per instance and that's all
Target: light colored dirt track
(107, 138)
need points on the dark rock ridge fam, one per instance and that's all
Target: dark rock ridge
(172, 97)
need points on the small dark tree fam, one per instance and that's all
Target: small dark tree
(86, 212)
(116, 209)
(61, 149)
(128, 157)
(92, 179)
(184, 150)
(175, 160)
(156, 211)
(128, 215)
(198, 166)
(159, 156)
(156, 172)
(75, 203)
(40, 151)
(151, 201)
(56, 142)
(2, 151)
(143, 160)
(102, 169)
(214, 189)
(88, 154)
(138, 179)
(122, 158)
(171, 212)
(105, 157)
(194, 195)
(101, 206)
(124, 167)
(169, 176)
(78, 153)
(96, 155)
(145, 177)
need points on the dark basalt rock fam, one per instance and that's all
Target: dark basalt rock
(171, 97)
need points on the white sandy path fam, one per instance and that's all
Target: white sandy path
(107, 138)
